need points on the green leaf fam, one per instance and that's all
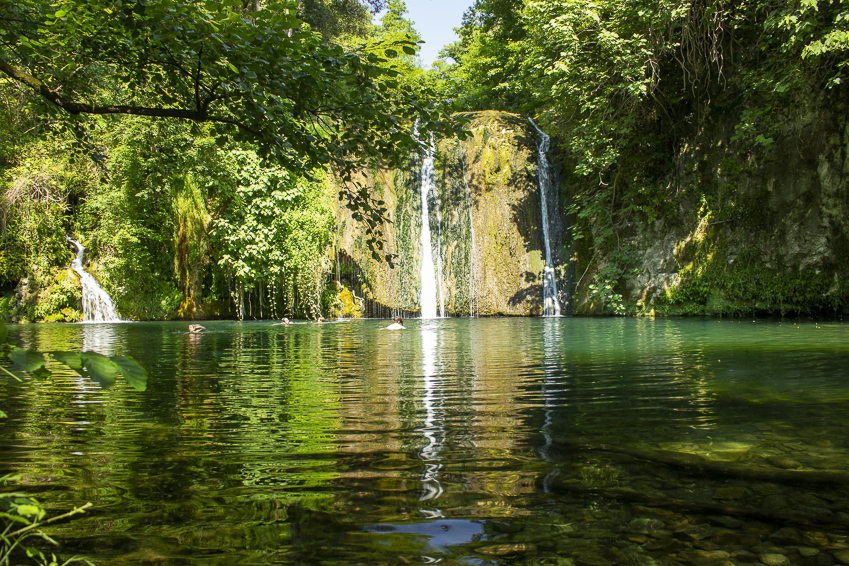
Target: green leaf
(101, 369)
(29, 361)
(132, 371)
(34, 511)
(70, 359)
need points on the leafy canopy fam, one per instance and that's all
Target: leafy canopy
(260, 78)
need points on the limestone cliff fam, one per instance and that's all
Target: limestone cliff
(484, 216)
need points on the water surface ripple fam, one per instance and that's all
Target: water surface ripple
(457, 441)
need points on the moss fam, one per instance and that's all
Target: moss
(714, 284)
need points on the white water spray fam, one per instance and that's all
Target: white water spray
(551, 305)
(97, 306)
(428, 270)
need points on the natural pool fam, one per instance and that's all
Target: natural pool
(457, 441)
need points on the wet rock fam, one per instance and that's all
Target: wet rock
(744, 556)
(823, 559)
(713, 554)
(631, 557)
(646, 526)
(693, 532)
(841, 556)
(786, 536)
(584, 558)
(727, 537)
(506, 528)
(725, 521)
(784, 463)
(773, 502)
(814, 538)
(730, 493)
(807, 551)
(774, 559)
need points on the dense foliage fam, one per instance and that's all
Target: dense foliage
(187, 143)
(631, 90)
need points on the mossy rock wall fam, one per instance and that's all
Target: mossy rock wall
(754, 230)
(484, 218)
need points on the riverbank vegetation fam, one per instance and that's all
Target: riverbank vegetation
(193, 148)
(714, 125)
(197, 149)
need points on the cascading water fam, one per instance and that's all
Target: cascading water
(428, 270)
(97, 306)
(473, 296)
(551, 305)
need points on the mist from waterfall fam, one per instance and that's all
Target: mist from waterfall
(97, 306)
(551, 305)
(428, 269)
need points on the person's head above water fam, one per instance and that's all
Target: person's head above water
(398, 320)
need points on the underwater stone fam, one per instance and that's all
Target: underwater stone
(784, 463)
(730, 493)
(774, 559)
(725, 521)
(646, 526)
(693, 532)
(786, 536)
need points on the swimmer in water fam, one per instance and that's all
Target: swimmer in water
(196, 328)
(398, 324)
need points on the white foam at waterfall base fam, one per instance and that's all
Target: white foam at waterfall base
(428, 270)
(551, 305)
(97, 306)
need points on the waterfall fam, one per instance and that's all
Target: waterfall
(473, 296)
(551, 305)
(428, 270)
(97, 306)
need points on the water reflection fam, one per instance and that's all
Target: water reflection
(433, 429)
(458, 440)
(101, 337)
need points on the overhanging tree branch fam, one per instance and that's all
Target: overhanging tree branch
(76, 108)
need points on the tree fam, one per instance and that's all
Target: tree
(259, 78)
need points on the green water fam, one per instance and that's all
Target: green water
(456, 441)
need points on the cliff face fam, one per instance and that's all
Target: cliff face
(752, 231)
(484, 216)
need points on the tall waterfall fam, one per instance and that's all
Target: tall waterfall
(428, 270)
(97, 306)
(551, 305)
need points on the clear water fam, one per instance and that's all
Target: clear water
(457, 441)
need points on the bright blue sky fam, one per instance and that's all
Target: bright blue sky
(435, 20)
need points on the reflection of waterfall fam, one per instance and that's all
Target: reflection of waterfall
(428, 270)
(433, 429)
(97, 306)
(100, 338)
(551, 337)
(551, 305)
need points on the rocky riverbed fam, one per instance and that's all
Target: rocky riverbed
(759, 497)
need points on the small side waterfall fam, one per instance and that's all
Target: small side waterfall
(428, 269)
(97, 306)
(551, 305)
